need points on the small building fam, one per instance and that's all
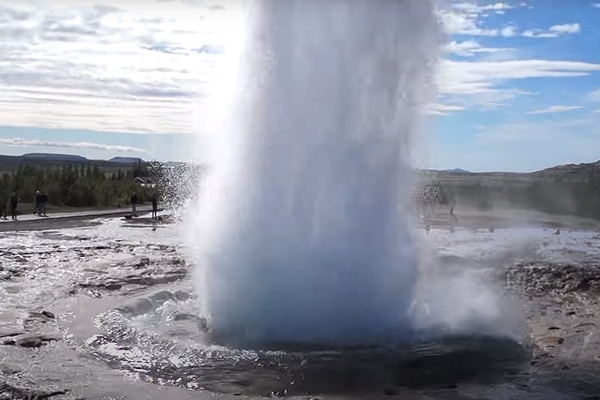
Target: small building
(144, 182)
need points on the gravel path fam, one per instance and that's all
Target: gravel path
(31, 222)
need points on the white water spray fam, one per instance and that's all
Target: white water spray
(301, 228)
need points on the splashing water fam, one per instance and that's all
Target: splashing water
(302, 231)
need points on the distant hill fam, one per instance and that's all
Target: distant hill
(48, 160)
(572, 172)
(458, 171)
(125, 160)
(54, 157)
(583, 172)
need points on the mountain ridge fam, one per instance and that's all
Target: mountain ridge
(575, 172)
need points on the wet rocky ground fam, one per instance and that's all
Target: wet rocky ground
(562, 308)
(108, 312)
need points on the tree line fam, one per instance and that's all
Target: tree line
(76, 185)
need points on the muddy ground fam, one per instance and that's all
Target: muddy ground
(56, 280)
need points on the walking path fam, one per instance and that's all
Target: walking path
(65, 219)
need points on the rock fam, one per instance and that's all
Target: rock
(21, 393)
(42, 317)
(9, 334)
(33, 341)
(550, 342)
(30, 342)
(112, 286)
(50, 338)
(7, 369)
(143, 263)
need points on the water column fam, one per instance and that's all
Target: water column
(302, 226)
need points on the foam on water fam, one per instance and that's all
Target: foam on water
(301, 230)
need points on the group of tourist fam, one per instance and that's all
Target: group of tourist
(8, 203)
(133, 201)
(41, 200)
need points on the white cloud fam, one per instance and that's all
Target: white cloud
(484, 82)
(465, 19)
(19, 142)
(509, 31)
(553, 31)
(120, 66)
(595, 95)
(555, 109)
(457, 23)
(595, 5)
(476, 9)
(143, 68)
(468, 78)
(471, 48)
(442, 109)
(566, 28)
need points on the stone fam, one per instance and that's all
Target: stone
(30, 342)
(550, 342)
(7, 369)
(33, 341)
(9, 334)
(22, 393)
(49, 314)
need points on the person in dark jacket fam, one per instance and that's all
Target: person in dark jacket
(38, 197)
(133, 200)
(43, 203)
(14, 201)
(3, 202)
(154, 207)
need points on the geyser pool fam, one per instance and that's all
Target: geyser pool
(302, 231)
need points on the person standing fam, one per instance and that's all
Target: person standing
(38, 197)
(154, 207)
(3, 202)
(43, 204)
(133, 200)
(14, 201)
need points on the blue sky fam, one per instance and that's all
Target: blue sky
(539, 73)
(519, 81)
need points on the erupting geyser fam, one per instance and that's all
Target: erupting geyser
(301, 227)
